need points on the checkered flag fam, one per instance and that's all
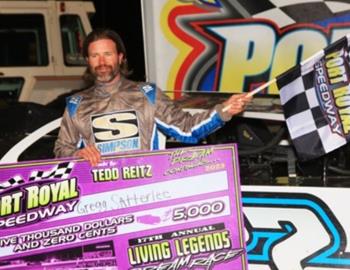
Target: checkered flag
(12, 182)
(315, 96)
(60, 171)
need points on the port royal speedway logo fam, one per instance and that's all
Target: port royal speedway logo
(44, 195)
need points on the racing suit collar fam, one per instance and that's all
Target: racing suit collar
(106, 89)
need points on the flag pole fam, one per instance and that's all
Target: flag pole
(255, 91)
(261, 87)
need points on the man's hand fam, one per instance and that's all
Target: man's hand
(90, 153)
(237, 103)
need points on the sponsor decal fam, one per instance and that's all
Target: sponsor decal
(301, 223)
(116, 131)
(226, 46)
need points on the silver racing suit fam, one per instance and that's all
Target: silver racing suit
(127, 117)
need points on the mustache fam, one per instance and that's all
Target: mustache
(103, 66)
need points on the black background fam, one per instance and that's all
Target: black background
(124, 16)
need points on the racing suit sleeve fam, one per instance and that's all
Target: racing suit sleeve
(184, 126)
(68, 138)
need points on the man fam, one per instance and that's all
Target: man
(117, 114)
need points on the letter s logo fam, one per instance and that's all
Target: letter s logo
(114, 126)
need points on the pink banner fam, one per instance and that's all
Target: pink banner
(171, 209)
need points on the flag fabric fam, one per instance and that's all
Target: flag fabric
(315, 96)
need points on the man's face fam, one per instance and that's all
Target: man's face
(104, 60)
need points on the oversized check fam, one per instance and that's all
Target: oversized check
(172, 209)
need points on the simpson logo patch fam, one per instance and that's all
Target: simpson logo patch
(116, 131)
